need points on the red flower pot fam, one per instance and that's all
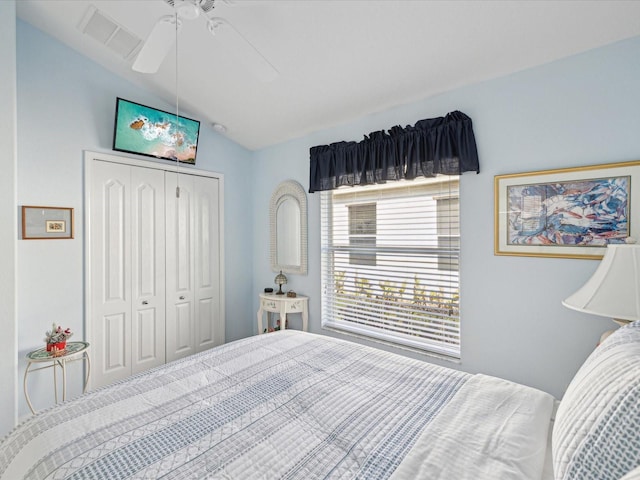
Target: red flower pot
(58, 346)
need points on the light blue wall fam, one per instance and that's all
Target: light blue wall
(579, 111)
(66, 106)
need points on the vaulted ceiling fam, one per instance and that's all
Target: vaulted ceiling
(279, 69)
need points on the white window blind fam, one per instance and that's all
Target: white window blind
(390, 262)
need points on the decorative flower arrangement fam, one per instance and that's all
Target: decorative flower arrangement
(57, 337)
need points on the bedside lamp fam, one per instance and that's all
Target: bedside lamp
(280, 280)
(614, 288)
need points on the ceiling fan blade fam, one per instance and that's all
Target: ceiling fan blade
(157, 46)
(248, 55)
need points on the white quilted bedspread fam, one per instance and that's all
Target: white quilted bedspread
(288, 405)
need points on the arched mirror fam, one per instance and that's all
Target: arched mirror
(288, 219)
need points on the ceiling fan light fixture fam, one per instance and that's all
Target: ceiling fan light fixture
(187, 9)
(205, 6)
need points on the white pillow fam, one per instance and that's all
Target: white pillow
(596, 434)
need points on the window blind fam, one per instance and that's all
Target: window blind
(390, 262)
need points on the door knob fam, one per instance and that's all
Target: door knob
(181, 297)
(144, 302)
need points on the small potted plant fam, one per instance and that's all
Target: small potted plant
(56, 339)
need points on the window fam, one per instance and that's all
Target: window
(390, 261)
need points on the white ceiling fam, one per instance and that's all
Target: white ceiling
(338, 59)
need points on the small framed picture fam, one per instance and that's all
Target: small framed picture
(568, 213)
(47, 223)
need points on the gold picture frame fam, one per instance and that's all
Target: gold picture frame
(568, 212)
(47, 223)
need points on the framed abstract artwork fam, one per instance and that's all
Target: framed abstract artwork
(569, 212)
(47, 223)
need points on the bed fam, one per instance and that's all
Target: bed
(297, 405)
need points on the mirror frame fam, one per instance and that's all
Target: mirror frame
(285, 190)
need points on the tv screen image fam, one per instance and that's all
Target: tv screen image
(155, 133)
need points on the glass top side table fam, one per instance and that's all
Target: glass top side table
(74, 351)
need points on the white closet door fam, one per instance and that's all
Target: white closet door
(194, 314)
(148, 269)
(111, 275)
(155, 286)
(180, 217)
(207, 251)
(127, 258)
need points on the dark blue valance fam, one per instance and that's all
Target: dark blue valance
(444, 145)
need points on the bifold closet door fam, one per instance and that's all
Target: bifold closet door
(193, 263)
(209, 331)
(127, 270)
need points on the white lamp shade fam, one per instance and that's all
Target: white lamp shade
(614, 289)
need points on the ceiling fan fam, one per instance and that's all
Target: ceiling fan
(163, 36)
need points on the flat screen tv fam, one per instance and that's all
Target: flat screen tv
(154, 133)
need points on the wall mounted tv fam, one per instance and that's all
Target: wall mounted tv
(155, 133)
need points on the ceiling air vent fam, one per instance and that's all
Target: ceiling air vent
(101, 28)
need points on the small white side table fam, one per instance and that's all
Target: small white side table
(73, 351)
(273, 303)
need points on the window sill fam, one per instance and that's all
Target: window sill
(399, 346)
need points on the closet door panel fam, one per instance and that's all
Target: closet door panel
(115, 348)
(183, 234)
(115, 240)
(111, 280)
(180, 216)
(147, 350)
(147, 268)
(207, 246)
(183, 329)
